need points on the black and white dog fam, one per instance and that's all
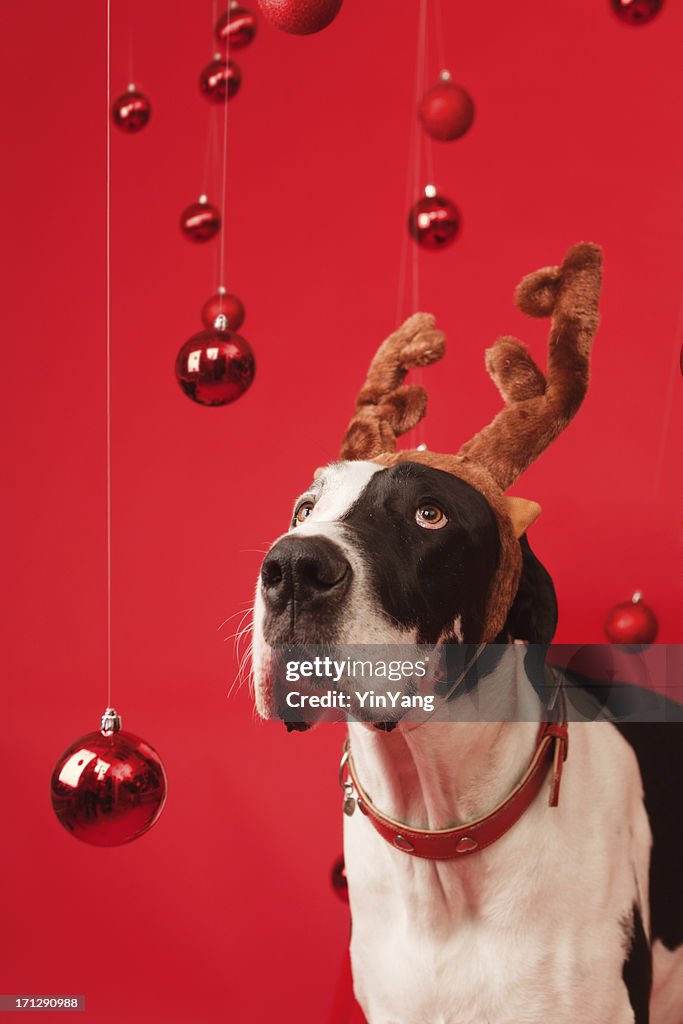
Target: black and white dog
(575, 915)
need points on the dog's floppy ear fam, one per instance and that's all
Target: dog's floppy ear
(533, 615)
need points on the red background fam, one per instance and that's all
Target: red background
(224, 911)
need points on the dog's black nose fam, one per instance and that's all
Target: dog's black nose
(307, 570)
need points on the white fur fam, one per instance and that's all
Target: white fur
(667, 985)
(335, 491)
(528, 931)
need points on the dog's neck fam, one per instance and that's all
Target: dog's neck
(441, 774)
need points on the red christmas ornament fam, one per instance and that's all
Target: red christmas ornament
(300, 17)
(132, 111)
(216, 366)
(632, 623)
(636, 12)
(446, 111)
(236, 27)
(222, 303)
(434, 221)
(109, 787)
(339, 880)
(220, 80)
(200, 221)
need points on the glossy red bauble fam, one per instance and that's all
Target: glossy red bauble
(236, 27)
(220, 80)
(338, 879)
(223, 303)
(636, 12)
(300, 17)
(434, 220)
(632, 623)
(215, 367)
(108, 790)
(200, 221)
(446, 111)
(132, 111)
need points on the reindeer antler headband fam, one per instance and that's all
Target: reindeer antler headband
(537, 408)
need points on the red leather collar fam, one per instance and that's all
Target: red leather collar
(452, 843)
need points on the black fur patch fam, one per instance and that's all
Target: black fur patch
(424, 578)
(637, 969)
(659, 749)
(658, 746)
(533, 615)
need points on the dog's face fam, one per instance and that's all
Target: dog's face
(376, 555)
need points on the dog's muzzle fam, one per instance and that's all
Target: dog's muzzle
(304, 581)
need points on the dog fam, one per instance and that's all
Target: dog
(476, 898)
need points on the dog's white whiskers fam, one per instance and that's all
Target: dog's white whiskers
(239, 633)
(246, 607)
(239, 680)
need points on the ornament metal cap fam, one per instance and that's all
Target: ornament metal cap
(132, 87)
(218, 56)
(445, 76)
(430, 191)
(110, 722)
(221, 322)
(203, 199)
(221, 290)
(637, 597)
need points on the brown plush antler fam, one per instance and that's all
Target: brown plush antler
(537, 410)
(386, 407)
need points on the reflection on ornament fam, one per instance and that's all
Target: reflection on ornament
(132, 111)
(220, 80)
(200, 221)
(226, 304)
(236, 27)
(632, 624)
(434, 220)
(216, 366)
(446, 111)
(109, 787)
(338, 879)
(300, 17)
(636, 12)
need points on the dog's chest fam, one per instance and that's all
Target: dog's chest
(486, 973)
(533, 932)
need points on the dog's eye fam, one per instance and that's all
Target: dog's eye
(430, 517)
(303, 512)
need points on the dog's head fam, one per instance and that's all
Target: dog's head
(411, 547)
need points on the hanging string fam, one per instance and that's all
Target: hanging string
(130, 13)
(412, 172)
(419, 89)
(108, 350)
(440, 47)
(426, 138)
(210, 155)
(225, 161)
